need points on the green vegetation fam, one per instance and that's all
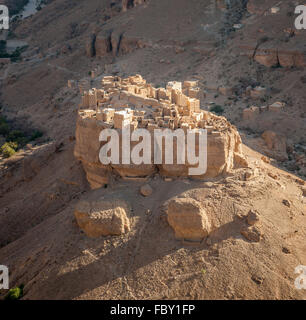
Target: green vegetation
(217, 109)
(35, 135)
(8, 149)
(15, 293)
(4, 127)
(14, 139)
(15, 56)
(2, 46)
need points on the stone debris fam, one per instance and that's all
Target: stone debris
(102, 218)
(251, 233)
(250, 174)
(252, 217)
(146, 190)
(188, 219)
(273, 176)
(265, 159)
(286, 203)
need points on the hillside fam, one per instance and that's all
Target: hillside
(242, 55)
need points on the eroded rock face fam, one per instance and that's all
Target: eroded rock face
(275, 56)
(90, 46)
(223, 154)
(188, 219)
(103, 44)
(277, 144)
(113, 42)
(102, 218)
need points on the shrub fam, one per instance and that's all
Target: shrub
(18, 137)
(35, 135)
(217, 109)
(8, 149)
(14, 135)
(2, 46)
(4, 128)
(15, 293)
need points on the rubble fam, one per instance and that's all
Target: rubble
(188, 219)
(252, 217)
(251, 233)
(102, 218)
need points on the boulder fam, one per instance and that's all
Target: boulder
(250, 113)
(102, 218)
(267, 57)
(188, 219)
(103, 43)
(251, 233)
(146, 190)
(252, 217)
(258, 92)
(225, 91)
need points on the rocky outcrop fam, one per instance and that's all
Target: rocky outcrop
(252, 233)
(277, 144)
(114, 42)
(267, 57)
(188, 219)
(128, 4)
(102, 218)
(91, 46)
(86, 150)
(224, 146)
(291, 58)
(103, 44)
(224, 153)
(272, 55)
